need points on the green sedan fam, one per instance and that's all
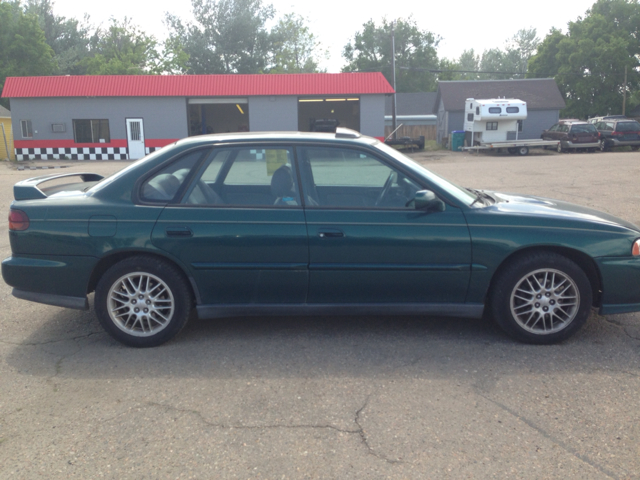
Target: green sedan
(310, 224)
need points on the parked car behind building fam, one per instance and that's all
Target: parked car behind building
(573, 135)
(619, 133)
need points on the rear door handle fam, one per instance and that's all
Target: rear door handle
(179, 232)
(330, 233)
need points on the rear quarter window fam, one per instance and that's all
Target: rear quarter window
(628, 127)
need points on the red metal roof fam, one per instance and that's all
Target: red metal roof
(197, 85)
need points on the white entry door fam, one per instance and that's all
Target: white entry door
(135, 138)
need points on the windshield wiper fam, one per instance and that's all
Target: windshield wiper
(481, 195)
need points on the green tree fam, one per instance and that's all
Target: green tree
(588, 62)
(121, 49)
(68, 38)
(23, 49)
(294, 47)
(228, 36)
(415, 51)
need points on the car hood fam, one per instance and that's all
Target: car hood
(546, 208)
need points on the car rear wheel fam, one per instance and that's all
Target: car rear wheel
(603, 146)
(541, 298)
(559, 148)
(142, 301)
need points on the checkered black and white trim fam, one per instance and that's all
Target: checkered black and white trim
(92, 153)
(148, 150)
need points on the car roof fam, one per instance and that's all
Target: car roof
(343, 134)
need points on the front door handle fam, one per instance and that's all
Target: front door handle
(330, 233)
(179, 232)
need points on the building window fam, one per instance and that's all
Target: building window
(492, 125)
(520, 122)
(495, 110)
(91, 131)
(27, 129)
(470, 117)
(513, 109)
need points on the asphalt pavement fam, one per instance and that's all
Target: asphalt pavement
(330, 397)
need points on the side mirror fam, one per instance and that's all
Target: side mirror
(427, 200)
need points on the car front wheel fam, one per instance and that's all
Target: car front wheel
(541, 298)
(142, 301)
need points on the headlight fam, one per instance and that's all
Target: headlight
(635, 249)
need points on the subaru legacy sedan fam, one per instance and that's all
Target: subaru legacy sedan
(310, 224)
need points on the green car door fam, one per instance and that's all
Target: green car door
(237, 225)
(368, 243)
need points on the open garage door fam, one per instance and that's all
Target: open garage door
(218, 115)
(317, 114)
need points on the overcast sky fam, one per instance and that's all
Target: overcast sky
(461, 24)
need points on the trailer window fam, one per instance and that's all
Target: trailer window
(470, 117)
(477, 110)
(495, 110)
(492, 125)
(513, 109)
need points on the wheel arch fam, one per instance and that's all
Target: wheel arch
(584, 261)
(108, 261)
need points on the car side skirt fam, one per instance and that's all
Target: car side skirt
(619, 308)
(78, 303)
(467, 310)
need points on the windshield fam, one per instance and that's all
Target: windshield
(584, 129)
(461, 194)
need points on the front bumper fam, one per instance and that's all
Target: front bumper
(51, 279)
(621, 284)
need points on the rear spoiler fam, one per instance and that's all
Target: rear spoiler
(28, 189)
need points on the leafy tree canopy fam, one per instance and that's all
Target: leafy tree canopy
(68, 38)
(228, 36)
(588, 62)
(121, 49)
(415, 50)
(23, 49)
(294, 46)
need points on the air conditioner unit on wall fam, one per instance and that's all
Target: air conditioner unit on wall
(58, 127)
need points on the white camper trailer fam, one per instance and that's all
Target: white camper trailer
(494, 124)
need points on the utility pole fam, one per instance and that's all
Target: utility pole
(393, 67)
(624, 91)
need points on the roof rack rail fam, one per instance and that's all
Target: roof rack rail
(347, 133)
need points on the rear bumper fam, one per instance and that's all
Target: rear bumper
(79, 303)
(51, 279)
(622, 143)
(581, 145)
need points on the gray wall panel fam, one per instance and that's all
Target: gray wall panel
(273, 113)
(372, 115)
(164, 117)
(537, 121)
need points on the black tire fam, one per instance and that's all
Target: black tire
(524, 316)
(559, 147)
(522, 151)
(149, 299)
(604, 147)
(512, 150)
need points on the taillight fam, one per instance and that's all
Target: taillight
(617, 134)
(635, 249)
(18, 220)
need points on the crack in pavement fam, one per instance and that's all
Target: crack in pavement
(359, 431)
(550, 437)
(49, 342)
